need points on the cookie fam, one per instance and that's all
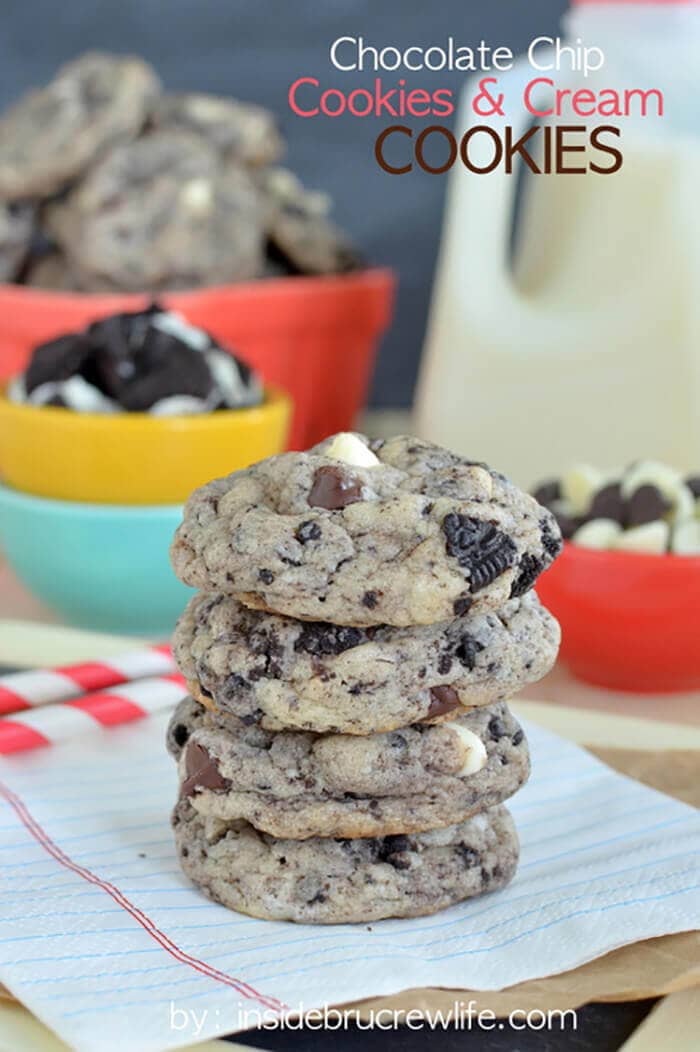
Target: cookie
(316, 676)
(160, 213)
(239, 132)
(50, 136)
(296, 784)
(404, 533)
(300, 232)
(16, 231)
(339, 881)
(51, 271)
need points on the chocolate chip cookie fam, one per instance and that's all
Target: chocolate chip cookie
(296, 784)
(239, 132)
(415, 536)
(339, 881)
(16, 230)
(51, 136)
(317, 676)
(300, 232)
(161, 213)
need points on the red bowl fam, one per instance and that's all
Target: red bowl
(629, 621)
(314, 337)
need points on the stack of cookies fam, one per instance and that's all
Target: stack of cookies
(365, 611)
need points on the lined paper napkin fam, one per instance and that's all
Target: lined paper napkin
(106, 941)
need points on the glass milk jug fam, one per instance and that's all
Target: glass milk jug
(582, 342)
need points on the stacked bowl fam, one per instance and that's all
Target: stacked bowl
(89, 501)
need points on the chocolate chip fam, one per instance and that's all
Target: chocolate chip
(462, 605)
(530, 569)
(442, 700)
(497, 728)
(201, 771)
(332, 489)
(369, 599)
(693, 484)
(308, 531)
(608, 503)
(266, 576)
(647, 504)
(478, 547)
(547, 492)
(517, 737)
(467, 650)
(319, 897)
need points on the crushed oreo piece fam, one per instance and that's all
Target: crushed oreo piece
(467, 650)
(530, 569)
(308, 531)
(325, 640)
(479, 547)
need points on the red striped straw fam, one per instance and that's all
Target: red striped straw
(26, 690)
(72, 717)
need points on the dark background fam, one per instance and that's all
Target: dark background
(254, 49)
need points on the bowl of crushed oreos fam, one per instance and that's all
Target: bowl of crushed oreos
(626, 588)
(137, 408)
(131, 192)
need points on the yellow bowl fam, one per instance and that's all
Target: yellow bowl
(133, 458)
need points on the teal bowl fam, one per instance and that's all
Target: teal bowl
(98, 566)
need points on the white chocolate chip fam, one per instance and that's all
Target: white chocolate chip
(196, 196)
(351, 450)
(686, 538)
(475, 750)
(598, 533)
(652, 537)
(578, 486)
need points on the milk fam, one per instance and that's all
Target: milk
(583, 343)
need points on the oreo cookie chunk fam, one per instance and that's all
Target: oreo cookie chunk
(340, 881)
(16, 230)
(284, 674)
(52, 135)
(241, 133)
(301, 236)
(162, 213)
(399, 532)
(146, 361)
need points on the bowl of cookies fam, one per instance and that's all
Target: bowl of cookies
(113, 192)
(138, 408)
(626, 588)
